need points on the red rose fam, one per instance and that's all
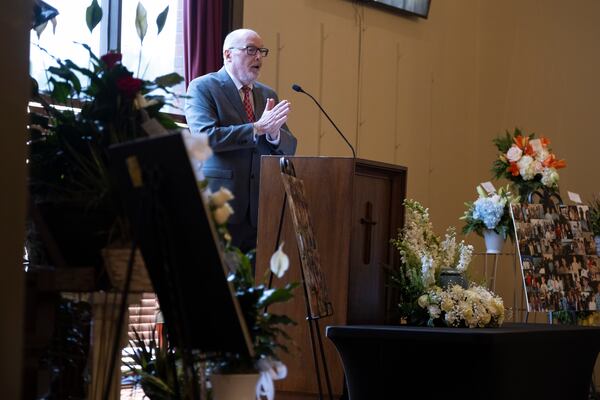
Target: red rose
(110, 59)
(129, 86)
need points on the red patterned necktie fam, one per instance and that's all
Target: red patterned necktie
(248, 104)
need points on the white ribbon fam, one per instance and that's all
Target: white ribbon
(270, 370)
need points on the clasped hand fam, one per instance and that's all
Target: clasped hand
(273, 118)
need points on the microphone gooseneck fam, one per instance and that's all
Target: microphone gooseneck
(299, 89)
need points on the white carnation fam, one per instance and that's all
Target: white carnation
(526, 168)
(549, 177)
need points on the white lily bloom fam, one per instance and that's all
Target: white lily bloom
(280, 262)
(198, 147)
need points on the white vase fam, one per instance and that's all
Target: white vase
(234, 386)
(493, 241)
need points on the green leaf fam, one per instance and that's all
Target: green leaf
(161, 19)
(67, 74)
(93, 15)
(60, 91)
(141, 21)
(169, 80)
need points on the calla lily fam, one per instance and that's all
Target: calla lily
(280, 262)
(198, 147)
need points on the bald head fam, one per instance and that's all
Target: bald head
(239, 37)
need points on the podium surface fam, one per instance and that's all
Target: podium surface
(356, 208)
(513, 362)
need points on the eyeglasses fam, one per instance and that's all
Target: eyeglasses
(251, 50)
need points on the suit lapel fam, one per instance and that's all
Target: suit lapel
(232, 93)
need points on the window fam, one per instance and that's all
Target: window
(158, 55)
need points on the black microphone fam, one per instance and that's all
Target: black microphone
(297, 88)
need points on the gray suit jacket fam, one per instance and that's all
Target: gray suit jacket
(214, 108)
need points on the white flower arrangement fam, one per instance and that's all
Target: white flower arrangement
(423, 257)
(490, 211)
(475, 307)
(526, 161)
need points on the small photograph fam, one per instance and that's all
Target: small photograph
(575, 263)
(548, 229)
(524, 230)
(585, 272)
(557, 248)
(527, 263)
(593, 267)
(546, 246)
(550, 213)
(560, 262)
(583, 212)
(576, 230)
(573, 213)
(579, 246)
(563, 212)
(548, 263)
(536, 211)
(538, 266)
(537, 228)
(531, 247)
(563, 231)
(589, 243)
(517, 213)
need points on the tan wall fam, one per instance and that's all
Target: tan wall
(403, 90)
(432, 94)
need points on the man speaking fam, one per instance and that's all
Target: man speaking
(243, 120)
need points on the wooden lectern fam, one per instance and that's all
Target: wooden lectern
(356, 208)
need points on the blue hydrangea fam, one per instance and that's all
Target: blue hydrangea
(488, 211)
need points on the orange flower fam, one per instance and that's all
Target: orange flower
(545, 141)
(513, 169)
(552, 162)
(521, 141)
(529, 150)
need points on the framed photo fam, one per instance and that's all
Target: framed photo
(558, 257)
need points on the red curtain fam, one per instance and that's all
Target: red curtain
(202, 37)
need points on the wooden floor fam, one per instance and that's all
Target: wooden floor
(294, 396)
(137, 393)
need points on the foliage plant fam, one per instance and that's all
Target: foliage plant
(527, 162)
(103, 104)
(490, 211)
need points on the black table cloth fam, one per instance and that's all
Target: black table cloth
(516, 361)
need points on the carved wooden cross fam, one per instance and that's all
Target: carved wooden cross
(368, 223)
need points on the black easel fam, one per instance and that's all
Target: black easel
(287, 167)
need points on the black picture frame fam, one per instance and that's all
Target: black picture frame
(179, 244)
(415, 8)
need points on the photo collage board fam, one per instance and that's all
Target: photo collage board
(558, 257)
